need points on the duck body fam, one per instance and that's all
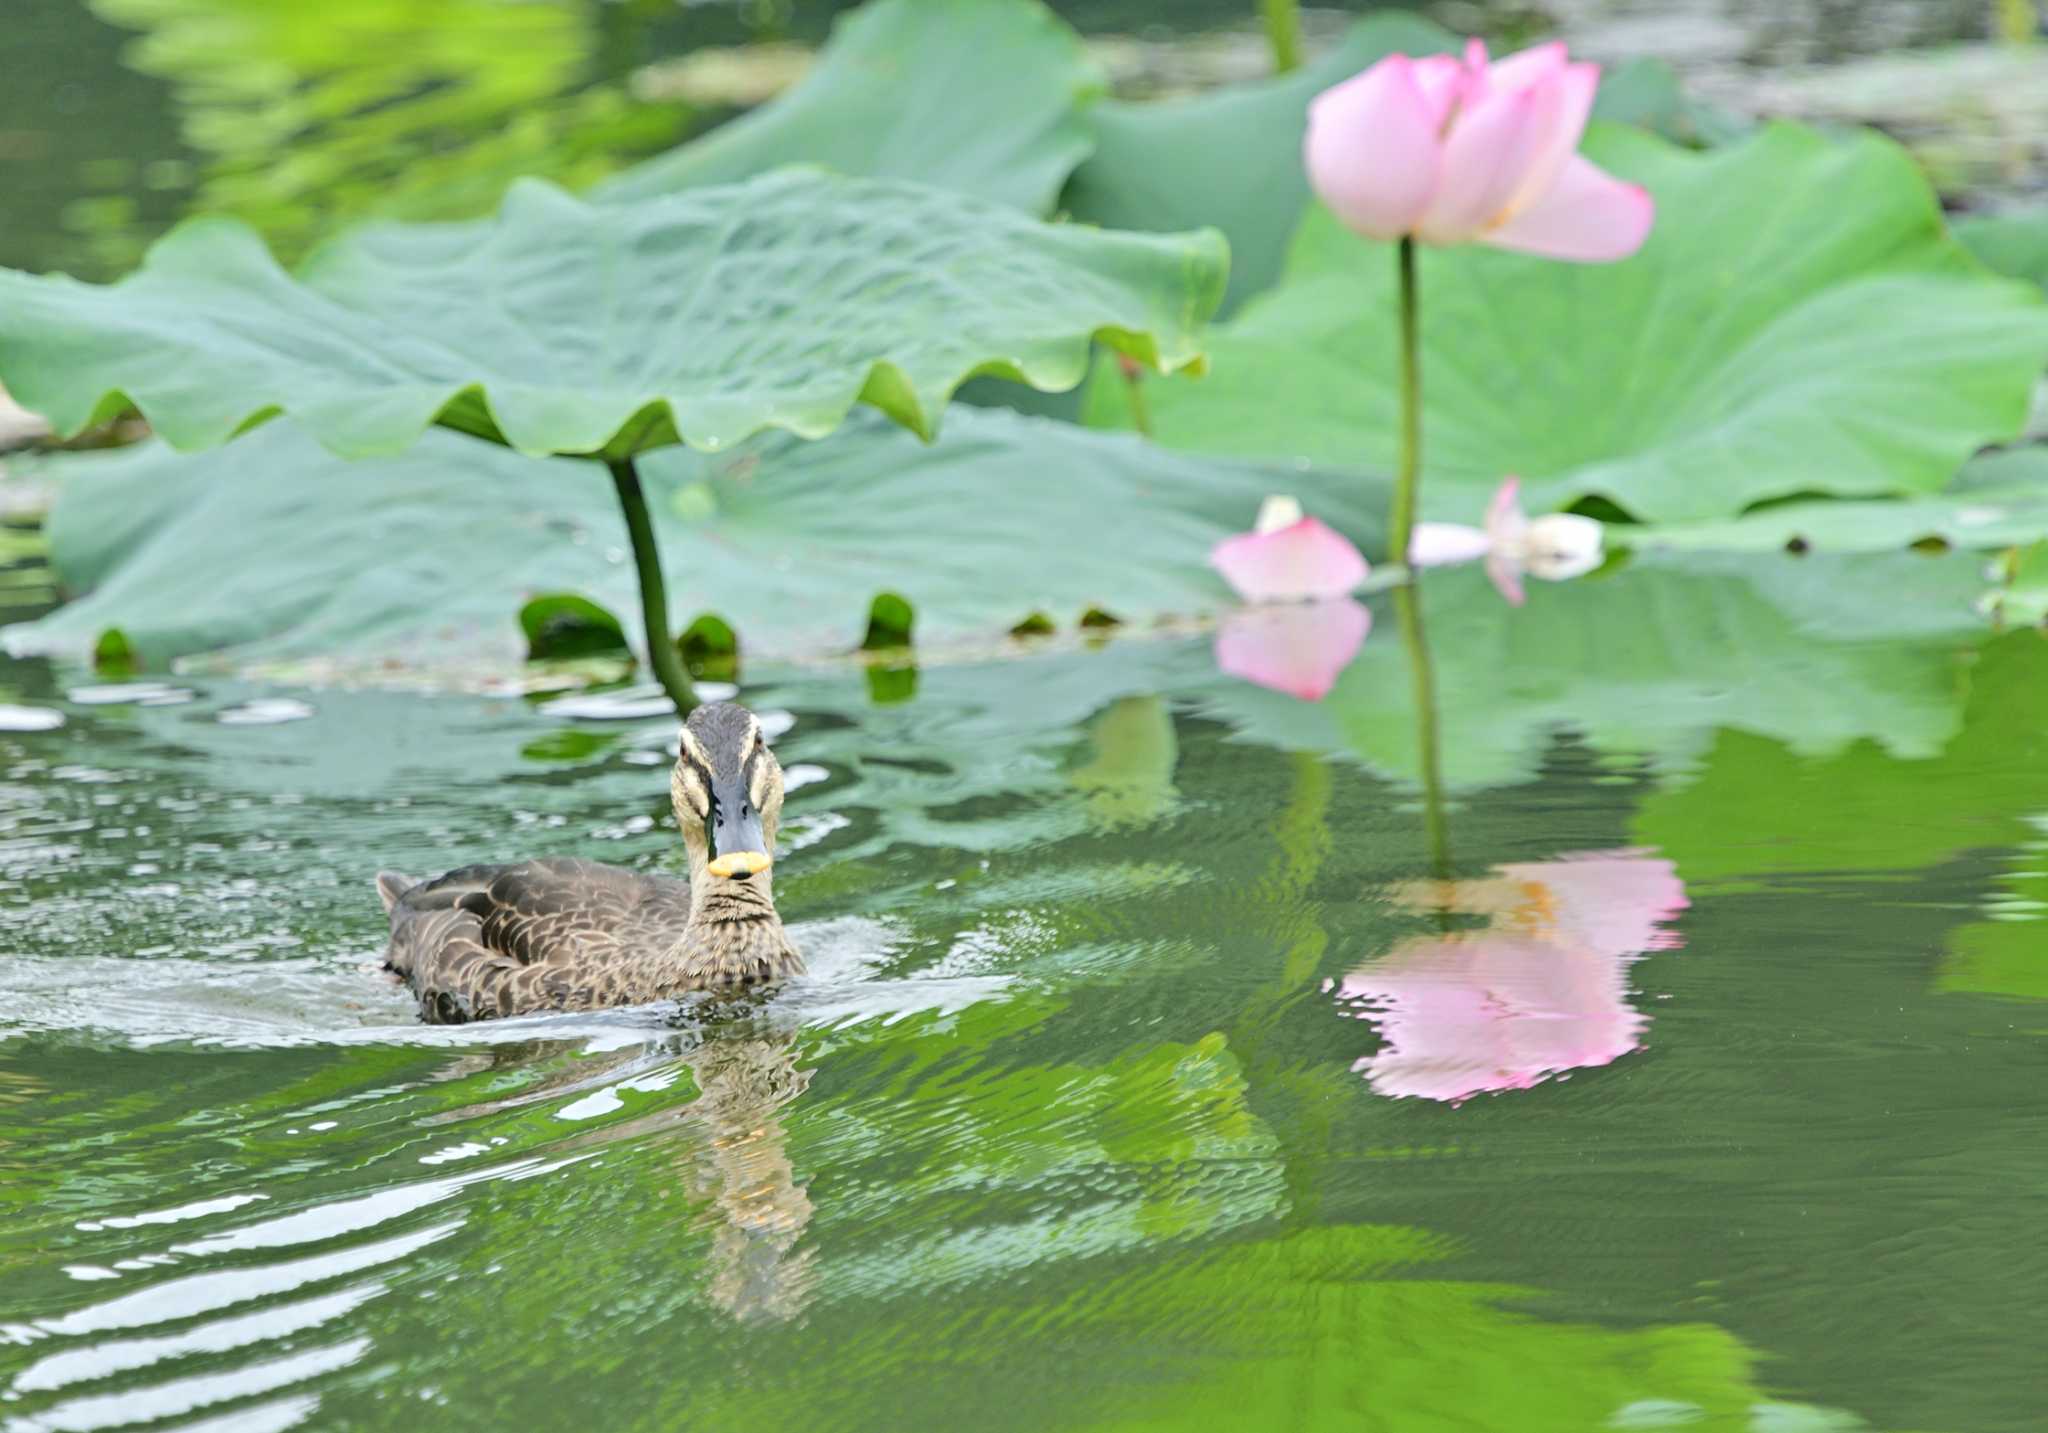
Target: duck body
(562, 933)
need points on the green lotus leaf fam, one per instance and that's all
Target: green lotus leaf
(2019, 594)
(1646, 661)
(2014, 244)
(1996, 501)
(1825, 655)
(566, 327)
(1799, 322)
(562, 624)
(888, 98)
(273, 548)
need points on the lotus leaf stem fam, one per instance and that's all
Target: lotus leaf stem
(1283, 33)
(1134, 396)
(662, 653)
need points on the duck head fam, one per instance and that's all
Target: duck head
(727, 790)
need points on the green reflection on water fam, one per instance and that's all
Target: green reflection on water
(1759, 809)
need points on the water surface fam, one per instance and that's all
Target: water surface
(1150, 1064)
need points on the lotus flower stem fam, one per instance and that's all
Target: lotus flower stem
(1401, 529)
(1283, 33)
(1422, 673)
(662, 653)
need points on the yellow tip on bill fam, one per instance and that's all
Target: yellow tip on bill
(740, 863)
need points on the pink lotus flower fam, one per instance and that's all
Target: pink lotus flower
(1304, 630)
(1553, 547)
(1455, 151)
(1540, 989)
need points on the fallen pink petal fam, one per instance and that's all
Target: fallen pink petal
(1505, 573)
(1288, 558)
(1540, 990)
(1554, 546)
(1504, 520)
(1445, 544)
(1299, 649)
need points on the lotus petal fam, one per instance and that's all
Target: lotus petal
(1300, 562)
(1299, 649)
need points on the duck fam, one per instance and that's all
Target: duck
(561, 933)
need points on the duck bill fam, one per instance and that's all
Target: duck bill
(738, 847)
(739, 865)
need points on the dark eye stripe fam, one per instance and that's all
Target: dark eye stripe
(703, 778)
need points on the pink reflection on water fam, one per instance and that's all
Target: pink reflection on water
(1540, 989)
(1300, 648)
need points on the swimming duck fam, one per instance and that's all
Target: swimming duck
(560, 933)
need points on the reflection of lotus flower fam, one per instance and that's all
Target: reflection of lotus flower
(1456, 151)
(1289, 559)
(1553, 547)
(1299, 649)
(1539, 989)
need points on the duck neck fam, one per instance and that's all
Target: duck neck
(718, 901)
(735, 936)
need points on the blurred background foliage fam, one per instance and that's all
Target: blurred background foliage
(122, 115)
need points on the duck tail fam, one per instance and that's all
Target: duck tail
(393, 884)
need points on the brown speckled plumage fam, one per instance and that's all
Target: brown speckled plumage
(561, 933)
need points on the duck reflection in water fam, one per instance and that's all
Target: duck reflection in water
(743, 1170)
(1539, 989)
(728, 1146)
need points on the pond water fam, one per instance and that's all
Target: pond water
(1150, 1065)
